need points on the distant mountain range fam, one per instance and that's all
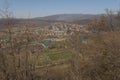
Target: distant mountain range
(48, 20)
(69, 17)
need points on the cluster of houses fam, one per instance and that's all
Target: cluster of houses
(60, 29)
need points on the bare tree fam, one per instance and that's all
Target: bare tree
(17, 55)
(98, 59)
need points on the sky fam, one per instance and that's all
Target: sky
(39, 8)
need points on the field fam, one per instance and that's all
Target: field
(53, 62)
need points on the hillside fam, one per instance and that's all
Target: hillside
(69, 17)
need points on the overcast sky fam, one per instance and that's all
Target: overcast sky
(38, 8)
